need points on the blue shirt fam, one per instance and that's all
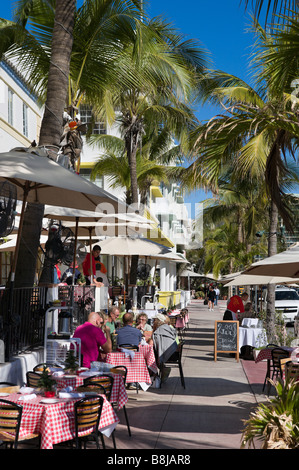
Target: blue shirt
(129, 335)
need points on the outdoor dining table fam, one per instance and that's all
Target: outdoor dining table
(181, 321)
(118, 393)
(137, 364)
(55, 422)
(255, 337)
(266, 353)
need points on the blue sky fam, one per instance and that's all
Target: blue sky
(221, 27)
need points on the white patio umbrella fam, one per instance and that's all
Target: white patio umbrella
(284, 264)
(10, 245)
(130, 246)
(188, 273)
(39, 179)
(254, 280)
(91, 223)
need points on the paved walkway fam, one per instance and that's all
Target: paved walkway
(209, 413)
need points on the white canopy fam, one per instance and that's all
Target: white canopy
(252, 280)
(284, 264)
(130, 246)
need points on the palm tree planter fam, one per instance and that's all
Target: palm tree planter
(275, 424)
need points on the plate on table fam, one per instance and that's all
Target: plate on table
(4, 394)
(49, 400)
(69, 376)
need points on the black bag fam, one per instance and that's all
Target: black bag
(205, 302)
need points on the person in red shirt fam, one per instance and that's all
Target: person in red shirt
(92, 339)
(236, 303)
(90, 276)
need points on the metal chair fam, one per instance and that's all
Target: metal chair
(124, 376)
(40, 367)
(269, 366)
(292, 370)
(175, 359)
(32, 379)
(10, 421)
(87, 417)
(277, 355)
(106, 383)
(9, 387)
(131, 347)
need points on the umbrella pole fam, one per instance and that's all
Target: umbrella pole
(125, 286)
(90, 243)
(75, 250)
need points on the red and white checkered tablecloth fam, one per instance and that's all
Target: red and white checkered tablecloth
(149, 356)
(138, 366)
(118, 394)
(55, 422)
(266, 353)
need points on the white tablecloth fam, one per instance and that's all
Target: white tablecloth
(250, 322)
(255, 337)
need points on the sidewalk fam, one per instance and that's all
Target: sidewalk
(209, 413)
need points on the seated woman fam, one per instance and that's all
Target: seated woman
(143, 326)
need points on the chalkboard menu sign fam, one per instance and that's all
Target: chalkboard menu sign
(227, 337)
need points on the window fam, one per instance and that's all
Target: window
(25, 120)
(10, 106)
(85, 172)
(86, 116)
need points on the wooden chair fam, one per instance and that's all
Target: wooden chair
(87, 417)
(124, 376)
(32, 379)
(175, 359)
(9, 387)
(131, 347)
(292, 370)
(40, 367)
(106, 383)
(269, 367)
(10, 421)
(277, 355)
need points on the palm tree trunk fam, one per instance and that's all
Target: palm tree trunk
(51, 128)
(132, 139)
(272, 250)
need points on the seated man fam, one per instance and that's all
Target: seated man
(128, 334)
(92, 339)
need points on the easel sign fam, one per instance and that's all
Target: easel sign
(227, 337)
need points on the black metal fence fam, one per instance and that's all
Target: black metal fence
(22, 325)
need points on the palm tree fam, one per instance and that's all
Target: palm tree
(165, 69)
(152, 162)
(60, 77)
(254, 134)
(273, 7)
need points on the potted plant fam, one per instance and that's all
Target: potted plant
(275, 424)
(71, 363)
(47, 384)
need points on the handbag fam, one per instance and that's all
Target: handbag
(205, 302)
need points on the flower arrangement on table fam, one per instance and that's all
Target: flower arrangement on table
(47, 383)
